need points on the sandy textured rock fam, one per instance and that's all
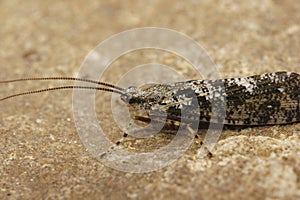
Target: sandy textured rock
(42, 155)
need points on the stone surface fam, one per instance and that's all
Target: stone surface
(42, 155)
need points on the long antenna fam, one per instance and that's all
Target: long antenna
(64, 78)
(63, 88)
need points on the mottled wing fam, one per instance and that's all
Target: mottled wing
(265, 99)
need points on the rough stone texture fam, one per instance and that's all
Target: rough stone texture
(42, 155)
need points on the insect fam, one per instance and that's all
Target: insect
(259, 100)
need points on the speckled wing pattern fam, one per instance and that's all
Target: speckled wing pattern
(267, 99)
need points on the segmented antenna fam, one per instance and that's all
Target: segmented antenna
(63, 88)
(64, 78)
